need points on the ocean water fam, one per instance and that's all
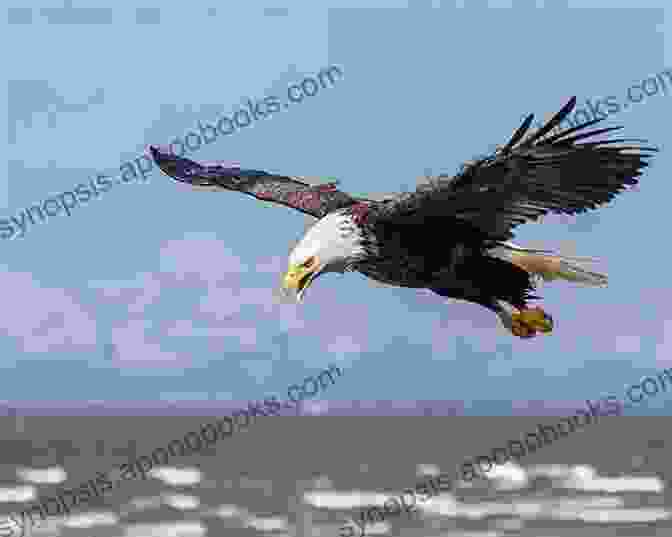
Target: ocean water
(307, 475)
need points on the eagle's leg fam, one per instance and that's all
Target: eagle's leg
(523, 322)
(515, 315)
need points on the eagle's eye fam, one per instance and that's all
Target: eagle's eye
(308, 262)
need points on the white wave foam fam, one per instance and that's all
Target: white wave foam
(448, 506)
(552, 471)
(486, 533)
(91, 519)
(586, 478)
(177, 476)
(18, 494)
(228, 511)
(508, 476)
(330, 499)
(267, 523)
(47, 476)
(183, 502)
(623, 516)
(428, 470)
(595, 509)
(378, 528)
(145, 503)
(166, 529)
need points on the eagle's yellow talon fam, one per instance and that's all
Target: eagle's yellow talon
(538, 319)
(528, 322)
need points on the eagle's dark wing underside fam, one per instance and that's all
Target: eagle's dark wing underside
(315, 200)
(530, 177)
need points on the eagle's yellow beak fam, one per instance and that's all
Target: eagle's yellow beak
(298, 277)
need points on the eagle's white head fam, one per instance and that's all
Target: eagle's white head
(330, 245)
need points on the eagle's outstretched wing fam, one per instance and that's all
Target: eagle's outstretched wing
(314, 199)
(528, 178)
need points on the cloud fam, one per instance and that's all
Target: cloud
(132, 347)
(138, 293)
(150, 292)
(616, 327)
(236, 309)
(664, 346)
(242, 337)
(341, 345)
(223, 302)
(200, 255)
(478, 326)
(274, 264)
(231, 311)
(628, 344)
(43, 319)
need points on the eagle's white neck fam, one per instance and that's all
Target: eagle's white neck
(335, 240)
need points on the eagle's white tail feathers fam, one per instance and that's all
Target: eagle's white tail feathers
(573, 272)
(551, 266)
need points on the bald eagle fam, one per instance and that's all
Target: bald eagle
(452, 234)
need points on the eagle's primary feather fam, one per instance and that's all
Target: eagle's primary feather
(529, 178)
(451, 234)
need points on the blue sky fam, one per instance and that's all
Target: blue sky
(156, 292)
